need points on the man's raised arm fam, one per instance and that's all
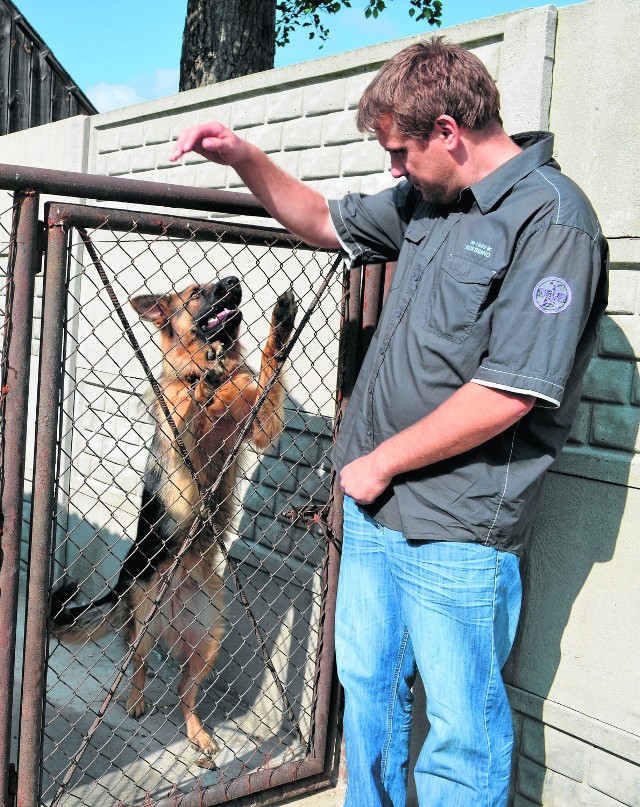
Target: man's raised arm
(297, 207)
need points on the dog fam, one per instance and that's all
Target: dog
(209, 392)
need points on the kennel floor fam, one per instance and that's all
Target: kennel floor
(128, 761)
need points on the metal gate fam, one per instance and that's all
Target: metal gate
(271, 702)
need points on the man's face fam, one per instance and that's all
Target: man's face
(427, 164)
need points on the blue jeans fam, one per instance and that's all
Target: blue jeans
(451, 609)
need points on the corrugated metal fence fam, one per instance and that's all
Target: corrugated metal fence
(34, 87)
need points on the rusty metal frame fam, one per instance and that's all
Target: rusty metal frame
(364, 292)
(138, 191)
(23, 266)
(318, 768)
(44, 491)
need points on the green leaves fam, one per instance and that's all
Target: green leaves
(374, 8)
(292, 14)
(430, 10)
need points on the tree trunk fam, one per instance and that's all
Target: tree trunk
(225, 39)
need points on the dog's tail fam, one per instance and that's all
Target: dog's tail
(93, 620)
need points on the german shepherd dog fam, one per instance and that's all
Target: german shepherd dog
(209, 392)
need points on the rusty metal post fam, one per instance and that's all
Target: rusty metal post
(136, 191)
(23, 266)
(35, 657)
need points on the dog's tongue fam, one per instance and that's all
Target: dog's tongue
(220, 317)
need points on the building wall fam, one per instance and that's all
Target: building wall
(572, 676)
(574, 670)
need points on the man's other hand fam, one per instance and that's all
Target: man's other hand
(363, 479)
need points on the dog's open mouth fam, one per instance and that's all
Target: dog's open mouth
(219, 316)
(215, 321)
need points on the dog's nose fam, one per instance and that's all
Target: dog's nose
(229, 289)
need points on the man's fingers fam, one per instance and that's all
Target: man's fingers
(181, 147)
(198, 138)
(211, 143)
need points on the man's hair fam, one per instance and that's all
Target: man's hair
(427, 80)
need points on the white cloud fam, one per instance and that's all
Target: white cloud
(107, 96)
(165, 82)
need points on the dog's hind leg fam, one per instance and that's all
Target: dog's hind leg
(196, 669)
(136, 703)
(138, 602)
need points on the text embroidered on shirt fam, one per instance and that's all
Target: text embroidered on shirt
(479, 249)
(552, 295)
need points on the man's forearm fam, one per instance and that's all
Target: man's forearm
(297, 207)
(470, 417)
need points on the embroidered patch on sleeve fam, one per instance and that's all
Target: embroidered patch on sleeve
(552, 295)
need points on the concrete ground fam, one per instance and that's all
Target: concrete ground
(130, 761)
(327, 798)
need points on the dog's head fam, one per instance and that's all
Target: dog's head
(193, 322)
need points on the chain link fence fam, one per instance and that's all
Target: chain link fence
(187, 577)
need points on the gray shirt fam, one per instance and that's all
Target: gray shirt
(504, 288)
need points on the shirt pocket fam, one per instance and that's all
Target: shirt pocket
(457, 297)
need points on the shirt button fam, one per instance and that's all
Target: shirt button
(369, 432)
(382, 351)
(398, 314)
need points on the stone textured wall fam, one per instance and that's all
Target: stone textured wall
(572, 676)
(303, 116)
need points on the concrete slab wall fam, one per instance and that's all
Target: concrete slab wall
(574, 70)
(574, 670)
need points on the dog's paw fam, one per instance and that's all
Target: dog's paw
(284, 315)
(207, 748)
(213, 377)
(136, 706)
(215, 370)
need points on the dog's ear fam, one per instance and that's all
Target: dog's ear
(152, 308)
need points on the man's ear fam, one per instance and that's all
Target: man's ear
(448, 130)
(152, 308)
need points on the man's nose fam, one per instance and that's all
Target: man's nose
(397, 168)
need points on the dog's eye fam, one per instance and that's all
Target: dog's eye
(196, 292)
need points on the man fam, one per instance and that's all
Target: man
(466, 396)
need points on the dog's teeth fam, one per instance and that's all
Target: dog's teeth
(220, 317)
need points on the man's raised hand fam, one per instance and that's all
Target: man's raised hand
(211, 140)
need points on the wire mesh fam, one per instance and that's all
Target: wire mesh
(118, 458)
(7, 212)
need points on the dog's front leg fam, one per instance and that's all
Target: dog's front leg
(269, 421)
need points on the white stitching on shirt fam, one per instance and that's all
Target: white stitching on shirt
(357, 244)
(519, 375)
(504, 489)
(537, 170)
(517, 390)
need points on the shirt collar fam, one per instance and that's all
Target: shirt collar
(537, 150)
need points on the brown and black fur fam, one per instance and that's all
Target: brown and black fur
(209, 392)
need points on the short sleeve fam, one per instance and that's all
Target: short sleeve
(543, 305)
(371, 228)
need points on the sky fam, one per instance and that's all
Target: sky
(122, 52)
